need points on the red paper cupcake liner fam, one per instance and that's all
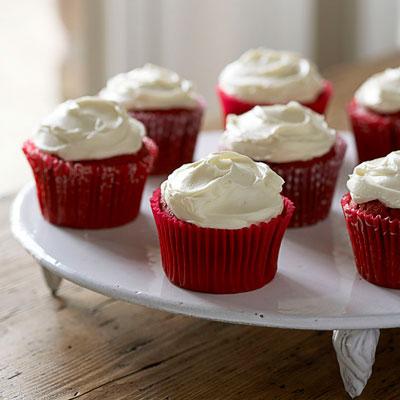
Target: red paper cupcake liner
(375, 241)
(233, 105)
(175, 133)
(376, 134)
(90, 194)
(311, 184)
(219, 260)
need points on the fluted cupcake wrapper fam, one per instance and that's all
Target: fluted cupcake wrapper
(376, 134)
(233, 105)
(375, 242)
(311, 184)
(219, 260)
(175, 133)
(90, 194)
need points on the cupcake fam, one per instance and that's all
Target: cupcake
(372, 214)
(375, 115)
(267, 77)
(220, 223)
(90, 161)
(167, 105)
(298, 145)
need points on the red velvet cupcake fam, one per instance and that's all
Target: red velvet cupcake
(299, 146)
(90, 161)
(372, 214)
(220, 224)
(168, 107)
(234, 105)
(375, 115)
(267, 77)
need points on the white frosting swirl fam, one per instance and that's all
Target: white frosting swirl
(89, 128)
(280, 133)
(151, 87)
(224, 190)
(268, 76)
(377, 179)
(381, 92)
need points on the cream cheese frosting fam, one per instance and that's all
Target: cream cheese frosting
(381, 92)
(151, 87)
(269, 76)
(377, 179)
(89, 128)
(279, 133)
(224, 190)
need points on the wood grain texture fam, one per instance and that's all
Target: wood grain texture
(82, 345)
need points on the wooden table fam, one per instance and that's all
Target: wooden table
(83, 345)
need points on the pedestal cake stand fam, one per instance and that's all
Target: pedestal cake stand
(317, 286)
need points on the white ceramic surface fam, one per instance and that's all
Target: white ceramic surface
(316, 287)
(355, 350)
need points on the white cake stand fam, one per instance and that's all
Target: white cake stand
(316, 287)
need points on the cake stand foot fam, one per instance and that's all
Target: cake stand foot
(53, 281)
(355, 351)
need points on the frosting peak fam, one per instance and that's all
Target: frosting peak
(377, 179)
(224, 190)
(269, 76)
(151, 87)
(89, 128)
(381, 92)
(279, 133)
